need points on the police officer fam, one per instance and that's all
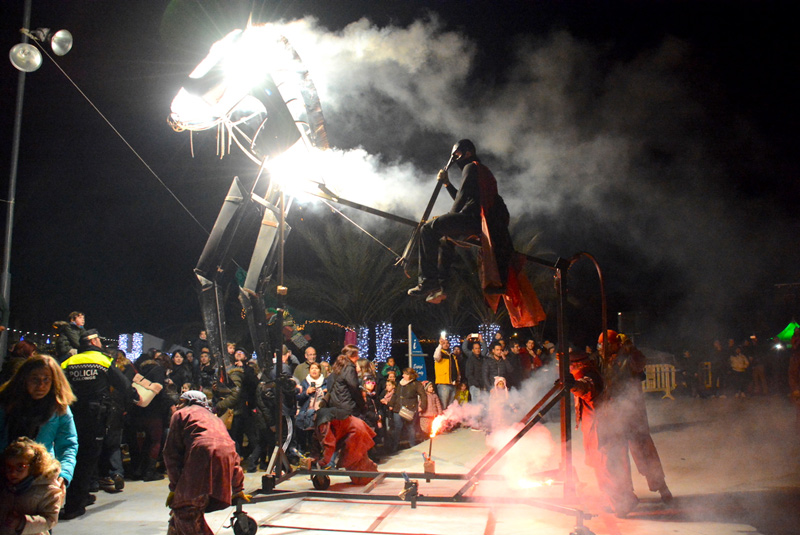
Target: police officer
(90, 373)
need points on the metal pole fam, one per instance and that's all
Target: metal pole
(563, 369)
(12, 185)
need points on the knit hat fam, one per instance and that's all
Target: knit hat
(498, 379)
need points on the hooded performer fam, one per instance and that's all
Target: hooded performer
(202, 465)
(477, 196)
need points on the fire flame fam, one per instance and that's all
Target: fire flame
(437, 424)
(532, 484)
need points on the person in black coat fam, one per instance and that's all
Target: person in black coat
(68, 335)
(409, 395)
(345, 388)
(495, 365)
(180, 374)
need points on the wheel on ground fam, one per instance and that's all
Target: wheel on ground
(321, 482)
(244, 525)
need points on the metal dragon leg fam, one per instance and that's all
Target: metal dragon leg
(214, 260)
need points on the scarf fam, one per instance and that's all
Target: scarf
(315, 382)
(195, 397)
(21, 487)
(27, 418)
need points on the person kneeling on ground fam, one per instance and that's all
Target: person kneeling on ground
(344, 441)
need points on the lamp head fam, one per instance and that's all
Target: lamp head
(25, 57)
(61, 42)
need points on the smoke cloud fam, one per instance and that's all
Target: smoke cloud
(500, 416)
(594, 148)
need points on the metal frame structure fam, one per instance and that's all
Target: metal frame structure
(265, 134)
(558, 394)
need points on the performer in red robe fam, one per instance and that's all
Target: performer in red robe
(351, 437)
(202, 466)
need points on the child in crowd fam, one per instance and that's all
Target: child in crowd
(388, 392)
(462, 393)
(390, 366)
(434, 408)
(30, 494)
(374, 414)
(365, 368)
(498, 404)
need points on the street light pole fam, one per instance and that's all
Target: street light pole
(5, 286)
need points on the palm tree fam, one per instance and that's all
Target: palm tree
(353, 281)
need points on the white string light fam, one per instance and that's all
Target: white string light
(487, 331)
(44, 338)
(363, 341)
(136, 350)
(455, 341)
(123, 343)
(383, 341)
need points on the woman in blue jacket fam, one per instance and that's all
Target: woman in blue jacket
(35, 403)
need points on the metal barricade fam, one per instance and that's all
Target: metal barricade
(659, 378)
(705, 375)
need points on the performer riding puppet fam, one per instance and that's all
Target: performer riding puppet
(477, 211)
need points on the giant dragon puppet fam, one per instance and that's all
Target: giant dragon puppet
(255, 91)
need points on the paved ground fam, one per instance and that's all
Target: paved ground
(733, 466)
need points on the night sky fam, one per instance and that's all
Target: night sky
(659, 136)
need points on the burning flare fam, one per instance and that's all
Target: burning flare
(437, 424)
(524, 483)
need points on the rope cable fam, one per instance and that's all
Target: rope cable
(125, 141)
(359, 227)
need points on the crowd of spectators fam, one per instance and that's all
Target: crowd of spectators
(348, 413)
(732, 369)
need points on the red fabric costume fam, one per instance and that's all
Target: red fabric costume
(354, 438)
(202, 466)
(604, 450)
(499, 265)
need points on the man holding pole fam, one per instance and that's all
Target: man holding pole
(477, 199)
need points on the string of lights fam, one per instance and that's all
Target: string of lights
(363, 340)
(487, 331)
(324, 322)
(383, 341)
(132, 344)
(47, 337)
(454, 340)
